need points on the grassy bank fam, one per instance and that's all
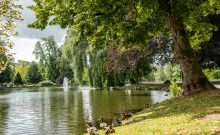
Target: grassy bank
(199, 114)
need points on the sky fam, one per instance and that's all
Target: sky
(24, 43)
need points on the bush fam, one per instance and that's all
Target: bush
(11, 84)
(33, 74)
(46, 83)
(168, 72)
(175, 90)
(212, 74)
(18, 80)
(4, 85)
(7, 75)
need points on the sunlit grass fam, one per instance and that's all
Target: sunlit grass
(182, 115)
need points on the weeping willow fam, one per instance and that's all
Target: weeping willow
(93, 58)
(74, 49)
(98, 76)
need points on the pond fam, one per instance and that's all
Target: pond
(66, 110)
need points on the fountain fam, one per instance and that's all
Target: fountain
(65, 82)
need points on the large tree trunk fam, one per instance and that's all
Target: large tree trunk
(194, 79)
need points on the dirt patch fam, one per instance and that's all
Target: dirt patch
(214, 116)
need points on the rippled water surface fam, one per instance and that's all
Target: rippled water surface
(41, 111)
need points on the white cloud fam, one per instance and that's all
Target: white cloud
(23, 48)
(24, 43)
(29, 17)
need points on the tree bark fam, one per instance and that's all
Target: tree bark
(194, 80)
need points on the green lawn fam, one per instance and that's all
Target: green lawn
(199, 114)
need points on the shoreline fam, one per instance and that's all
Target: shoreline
(180, 115)
(159, 85)
(8, 88)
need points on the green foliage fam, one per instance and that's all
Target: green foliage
(160, 75)
(18, 80)
(85, 77)
(5, 57)
(65, 67)
(10, 12)
(33, 74)
(212, 74)
(46, 83)
(131, 64)
(129, 23)
(74, 49)
(175, 90)
(97, 72)
(172, 72)
(203, 30)
(150, 76)
(48, 53)
(135, 21)
(6, 75)
(11, 84)
(22, 68)
(98, 75)
(168, 72)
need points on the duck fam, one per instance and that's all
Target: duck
(109, 130)
(103, 124)
(116, 123)
(91, 130)
(125, 115)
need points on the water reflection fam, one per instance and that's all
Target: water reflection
(159, 96)
(66, 95)
(61, 111)
(128, 92)
(65, 89)
(87, 108)
(3, 115)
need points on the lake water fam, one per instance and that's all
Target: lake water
(42, 111)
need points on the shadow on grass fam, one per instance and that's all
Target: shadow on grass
(196, 106)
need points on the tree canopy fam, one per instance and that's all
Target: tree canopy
(128, 17)
(74, 49)
(48, 53)
(10, 12)
(135, 23)
(6, 75)
(18, 80)
(33, 74)
(22, 67)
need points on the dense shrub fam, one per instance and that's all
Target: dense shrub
(22, 68)
(212, 74)
(4, 84)
(175, 90)
(168, 72)
(18, 80)
(46, 83)
(7, 75)
(33, 74)
(11, 84)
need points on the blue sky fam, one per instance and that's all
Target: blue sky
(25, 41)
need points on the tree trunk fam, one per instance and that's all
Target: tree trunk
(194, 80)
